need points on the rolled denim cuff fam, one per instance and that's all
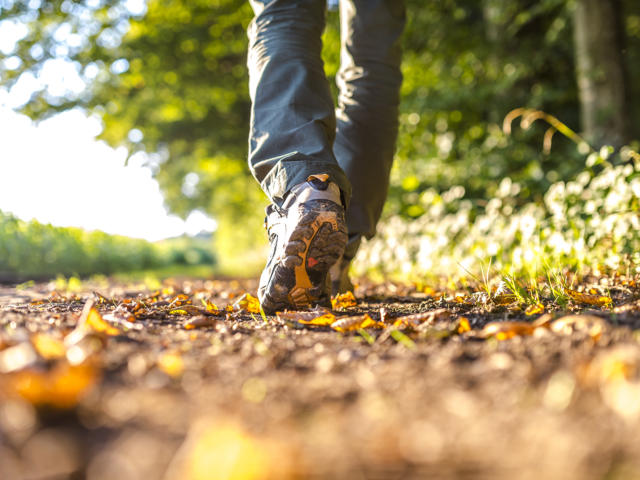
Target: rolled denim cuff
(289, 172)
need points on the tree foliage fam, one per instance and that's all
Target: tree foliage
(170, 79)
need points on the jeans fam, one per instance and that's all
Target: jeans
(295, 129)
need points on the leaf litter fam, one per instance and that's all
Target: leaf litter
(138, 359)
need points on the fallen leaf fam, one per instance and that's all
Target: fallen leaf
(188, 310)
(534, 309)
(504, 299)
(417, 319)
(323, 320)
(463, 325)
(343, 300)
(95, 322)
(247, 303)
(506, 330)
(348, 324)
(597, 300)
(179, 300)
(202, 321)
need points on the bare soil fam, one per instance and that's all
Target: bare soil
(238, 397)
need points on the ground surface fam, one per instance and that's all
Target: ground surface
(177, 392)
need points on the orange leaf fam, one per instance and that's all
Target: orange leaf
(247, 303)
(463, 325)
(344, 300)
(597, 300)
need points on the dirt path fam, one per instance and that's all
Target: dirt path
(178, 392)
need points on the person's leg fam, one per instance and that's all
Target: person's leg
(367, 115)
(292, 116)
(290, 152)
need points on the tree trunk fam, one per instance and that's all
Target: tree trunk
(601, 71)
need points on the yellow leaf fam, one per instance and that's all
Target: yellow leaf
(95, 322)
(463, 325)
(597, 300)
(323, 320)
(348, 324)
(534, 309)
(171, 363)
(344, 300)
(48, 347)
(211, 307)
(247, 303)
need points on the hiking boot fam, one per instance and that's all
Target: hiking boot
(339, 273)
(308, 235)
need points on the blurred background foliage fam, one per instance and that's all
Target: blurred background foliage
(168, 77)
(31, 250)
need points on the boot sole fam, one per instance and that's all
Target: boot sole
(298, 278)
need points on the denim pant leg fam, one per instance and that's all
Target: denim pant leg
(293, 124)
(369, 81)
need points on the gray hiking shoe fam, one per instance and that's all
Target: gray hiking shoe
(339, 275)
(308, 235)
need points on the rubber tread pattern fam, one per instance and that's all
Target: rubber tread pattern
(320, 234)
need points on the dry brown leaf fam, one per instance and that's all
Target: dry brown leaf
(349, 324)
(343, 300)
(504, 299)
(202, 321)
